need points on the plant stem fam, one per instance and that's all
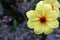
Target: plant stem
(43, 37)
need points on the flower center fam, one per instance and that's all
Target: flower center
(52, 7)
(42, 19)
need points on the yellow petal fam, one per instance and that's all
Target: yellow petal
(53, 24)
(32, 24)
(48, 30)
(38, 30)
(52, 15)
(49, 1)
(57, 4)
(40, 3)
(32, 15)
(42, 9)
(47, 8)
(56, 9)
(59, 14)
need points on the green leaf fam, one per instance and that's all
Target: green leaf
(15, 23)
(59, 1)
(57, 38)
(34, 4)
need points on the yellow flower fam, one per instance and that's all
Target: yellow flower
(51, 3)
(43, 19)
(54, 3)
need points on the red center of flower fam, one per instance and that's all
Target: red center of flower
(42, 19)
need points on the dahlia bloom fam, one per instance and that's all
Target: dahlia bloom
(43, 19)
(53, 3)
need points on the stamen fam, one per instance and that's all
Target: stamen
(52, 7)
(43, 19)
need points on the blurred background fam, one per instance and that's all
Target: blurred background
(13, 21)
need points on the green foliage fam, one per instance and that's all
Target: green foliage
(59, 1)
(34, 4)
(15, 23)
(57, 38)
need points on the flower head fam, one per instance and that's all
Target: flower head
(54, 3)
(43, 19)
